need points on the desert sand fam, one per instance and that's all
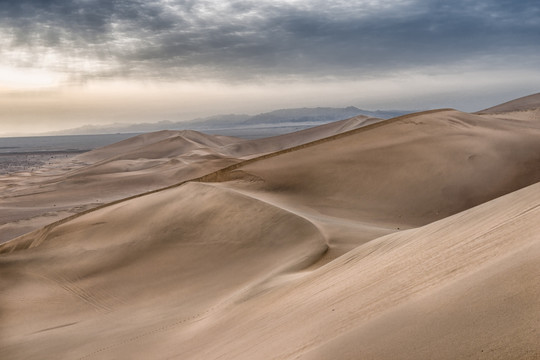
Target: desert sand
(526, 108)
(416, 237)
(32, 199)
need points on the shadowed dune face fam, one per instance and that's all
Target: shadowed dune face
(140, 159)
(384, 299)
(162, 142)
(250, 148)
(163, 260)
(297, 254)
(143, 163)
(409, 172)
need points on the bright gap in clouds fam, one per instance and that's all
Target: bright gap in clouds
(20, 79)
(129, 101)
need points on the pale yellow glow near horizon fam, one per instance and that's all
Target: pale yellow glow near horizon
(44, 103)
(18, 79)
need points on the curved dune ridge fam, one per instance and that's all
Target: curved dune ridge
(415, 237)
(143, 163)
(247, 149)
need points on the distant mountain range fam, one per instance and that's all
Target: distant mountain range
(305, 116)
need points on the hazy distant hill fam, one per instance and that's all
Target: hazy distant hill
(314, 116)
(319, 114)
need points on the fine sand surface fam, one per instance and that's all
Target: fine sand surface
(525, 108)
(30, 200)
(412, 238)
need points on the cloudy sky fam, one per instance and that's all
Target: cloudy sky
(64, 63)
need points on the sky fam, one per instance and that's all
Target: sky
(67, 63)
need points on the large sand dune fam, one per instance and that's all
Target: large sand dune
(525, 108)
(416, 237)
(143, 268)
(397, 174)
(143, 163)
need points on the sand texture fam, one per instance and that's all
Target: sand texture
(525, 108)
(412, 238)
(30, 200)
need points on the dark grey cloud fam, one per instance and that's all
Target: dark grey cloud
(240, 39)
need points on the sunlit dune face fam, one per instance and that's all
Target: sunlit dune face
(18, 79)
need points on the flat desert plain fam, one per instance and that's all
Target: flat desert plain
(416, 237)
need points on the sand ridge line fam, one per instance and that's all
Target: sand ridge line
(216, 176)
(287, 209)
(55, 327)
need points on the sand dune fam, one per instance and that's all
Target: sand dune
(415, 237)
(160, 144)
(408, 171)
(455, 288)
(258, 147)
(522, 104)
(175, 264)
(525, 108)
(143, 163)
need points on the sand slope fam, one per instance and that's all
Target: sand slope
(157, 145)
(415, 237)
(525, 108)
(133, 166)
(522, 104)
(463, 287)
(251, 148)
(404, 172)
(150, 291)
(141, 269)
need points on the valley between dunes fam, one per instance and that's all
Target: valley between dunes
(416, 237)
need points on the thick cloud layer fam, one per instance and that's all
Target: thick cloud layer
(245, 39)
